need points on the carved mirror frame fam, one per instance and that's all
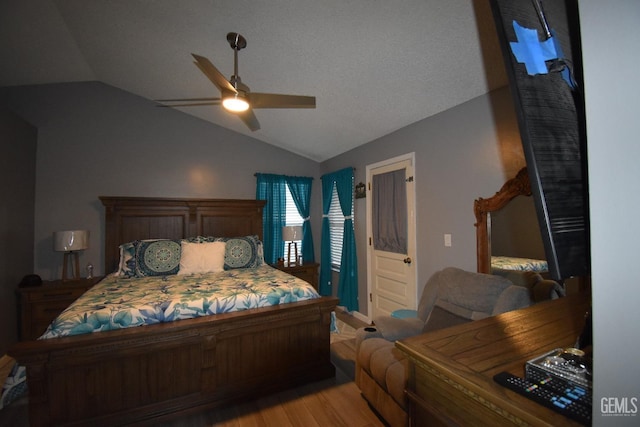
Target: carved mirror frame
(517, 186)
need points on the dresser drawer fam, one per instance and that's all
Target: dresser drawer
(46, 312)
(43, 313)
(38, 306)
(53, 294)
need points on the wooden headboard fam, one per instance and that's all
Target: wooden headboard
(516, 186)
(136, 218)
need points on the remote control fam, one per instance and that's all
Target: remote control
(568, 404)
(575, 392)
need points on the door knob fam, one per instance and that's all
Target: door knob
(407, 260)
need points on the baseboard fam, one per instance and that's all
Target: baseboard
(356, 314)
(361, 317)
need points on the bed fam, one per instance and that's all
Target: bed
(144, 374)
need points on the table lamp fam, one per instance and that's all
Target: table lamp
(291, 234)
(70, 242)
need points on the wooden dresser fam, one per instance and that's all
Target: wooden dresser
(307, 272)
(451, 370)
(39, 305)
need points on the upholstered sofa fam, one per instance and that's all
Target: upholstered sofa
(450, 297)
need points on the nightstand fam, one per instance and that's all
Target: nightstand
(39, 305)
(307, 272)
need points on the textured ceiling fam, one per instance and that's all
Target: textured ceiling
(374, 66)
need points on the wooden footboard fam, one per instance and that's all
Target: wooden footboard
(138, 374)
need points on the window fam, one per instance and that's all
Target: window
(292, 217)
(336, 229)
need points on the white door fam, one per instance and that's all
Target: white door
(391, 268)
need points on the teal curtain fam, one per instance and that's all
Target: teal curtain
(325, 242)
(272, 188)
(348, 284)
(348, 281)
(300, 189)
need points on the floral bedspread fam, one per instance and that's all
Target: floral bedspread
(118, 302)
(521, 264)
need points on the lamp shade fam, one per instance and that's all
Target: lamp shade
(72, 240)
(291, 233)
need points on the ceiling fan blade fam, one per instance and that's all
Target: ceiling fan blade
(216, 77)
(187, 99)
(274, 100)
(191, 104)
(249, 119)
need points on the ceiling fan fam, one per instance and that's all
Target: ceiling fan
(236, 96)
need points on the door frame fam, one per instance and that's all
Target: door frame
(411, 223)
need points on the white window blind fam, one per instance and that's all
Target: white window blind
(336, 230)
(292, 218)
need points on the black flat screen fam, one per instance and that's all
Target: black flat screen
(551, 119)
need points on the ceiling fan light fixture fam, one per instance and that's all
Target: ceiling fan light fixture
(235, 96)
(235, 103)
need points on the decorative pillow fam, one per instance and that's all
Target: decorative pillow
(240, 252)
(205, 257)
(200, 239)
(260, 252)
(157, 257)
(127, 264)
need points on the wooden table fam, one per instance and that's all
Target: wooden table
(451, 370)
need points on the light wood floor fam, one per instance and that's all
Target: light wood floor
(333, 402)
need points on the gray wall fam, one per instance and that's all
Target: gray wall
(611, 38)
(18, 141)
(96, 140)
(461, 154)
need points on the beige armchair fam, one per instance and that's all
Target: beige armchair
(450, 297)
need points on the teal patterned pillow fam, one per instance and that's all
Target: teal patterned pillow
(157, 257)
(242, 252)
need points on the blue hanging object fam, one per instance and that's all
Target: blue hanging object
(531, 52)
(534, 54)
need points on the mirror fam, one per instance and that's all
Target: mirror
(507, 230)
(515, 231)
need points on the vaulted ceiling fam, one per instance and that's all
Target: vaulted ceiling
(374, 66)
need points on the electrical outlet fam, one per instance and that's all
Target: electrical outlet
(447, 240)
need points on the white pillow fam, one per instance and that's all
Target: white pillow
(202, 257)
